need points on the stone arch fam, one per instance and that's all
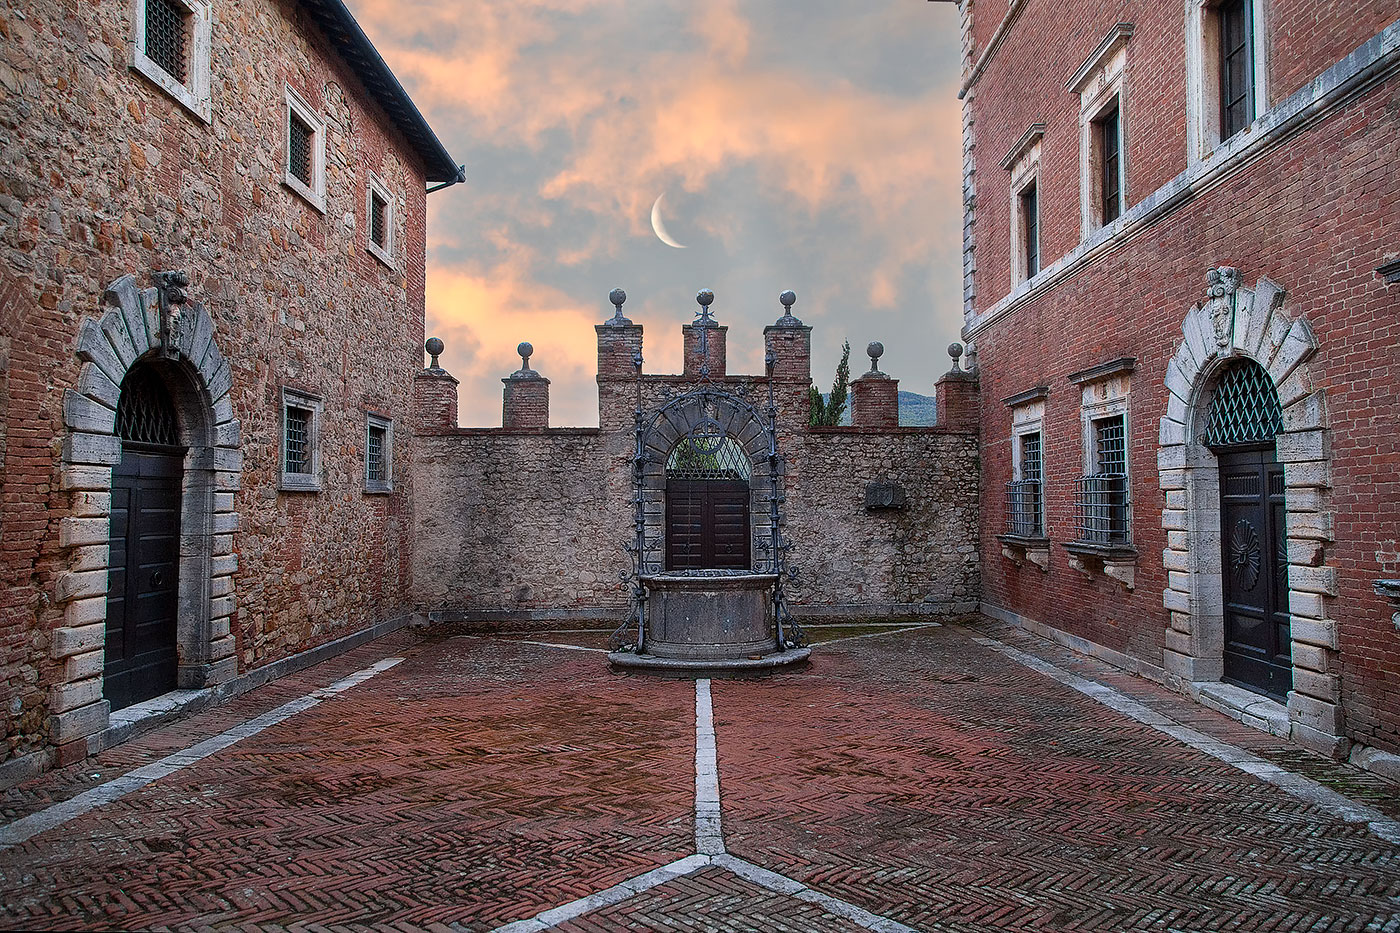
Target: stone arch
(156, 327)
(735, 418)
(1233, 323)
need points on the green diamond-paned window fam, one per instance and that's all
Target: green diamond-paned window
(708, 457)
(1244, 408)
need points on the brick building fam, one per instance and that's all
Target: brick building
(1180, 278)
(206, 477)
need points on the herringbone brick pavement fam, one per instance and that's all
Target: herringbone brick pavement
(477, 782)
(65, 783)
(711, 899)
(933, 781)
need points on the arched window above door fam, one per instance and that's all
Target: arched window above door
(1244, 408)
(145, 411)
(708, 457)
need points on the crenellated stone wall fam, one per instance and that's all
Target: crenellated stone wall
(529, 526)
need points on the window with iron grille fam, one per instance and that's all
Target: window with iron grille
(379, 446)
(168, 37)
(300, 138)
(172, 46)
(1024, 497)
(1101, 498)
(298, 440)
(378, 208)
(1108, 129)
(1236, 66)
(301, 457)
(1030, 229)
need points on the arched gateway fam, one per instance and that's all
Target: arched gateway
(151, 461)
(1244, 465)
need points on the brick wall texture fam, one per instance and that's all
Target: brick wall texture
(1317, 214)
(102, 174)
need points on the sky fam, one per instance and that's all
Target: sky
(803, 144)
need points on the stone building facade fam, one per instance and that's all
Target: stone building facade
(260, 403)
(529, 522)
(1180, 276)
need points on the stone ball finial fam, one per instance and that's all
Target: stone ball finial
(434, 347)
(617, 296)
(705, 297)
(788, 298)
(525, 349)
(955, 350)
(875, 349)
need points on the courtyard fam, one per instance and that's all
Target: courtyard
(960, 776)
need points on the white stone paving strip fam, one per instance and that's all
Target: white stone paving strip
(709, 840)
(1303, 788)
(546, 919)
(709, 837)
(906, 628)
(28, 827)
(781, 884)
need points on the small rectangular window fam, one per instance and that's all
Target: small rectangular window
(301, 456)
(1236, 66)
(1109, 131)
(378, 208)
(168, 37)
(1030, 220)
(300, 138)
(379, 454)
(298, 441)
(1111, 455)
(1024, 494)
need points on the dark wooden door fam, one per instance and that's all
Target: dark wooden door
(707, 525)
(1258, 654)
(142, 583)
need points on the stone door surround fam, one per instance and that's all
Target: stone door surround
(1233, 323)
(135, 326)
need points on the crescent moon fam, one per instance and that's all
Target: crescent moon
(660, 228)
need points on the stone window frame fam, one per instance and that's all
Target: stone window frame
(301, 482)
(1100, 84)
(1106, 392)
(1028, 417)
(1203, 74)
(194, 92)
(376, 187)
(127, 333)
(375, 421)
(1233, 323)
(315, 193)
(1023, 164)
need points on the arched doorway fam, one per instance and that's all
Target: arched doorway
(707, 504)
(1243, 420)
(144, 543)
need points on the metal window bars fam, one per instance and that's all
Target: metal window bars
(167, 34)
(145, 412)
(298, 440)
(1244, 408)
(375, 474)
(299, 138)
(378, 209)
(1101, 509)
(1023, 509)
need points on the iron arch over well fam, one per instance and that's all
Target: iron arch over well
(722, 421)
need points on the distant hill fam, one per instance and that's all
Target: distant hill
(915, 410)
